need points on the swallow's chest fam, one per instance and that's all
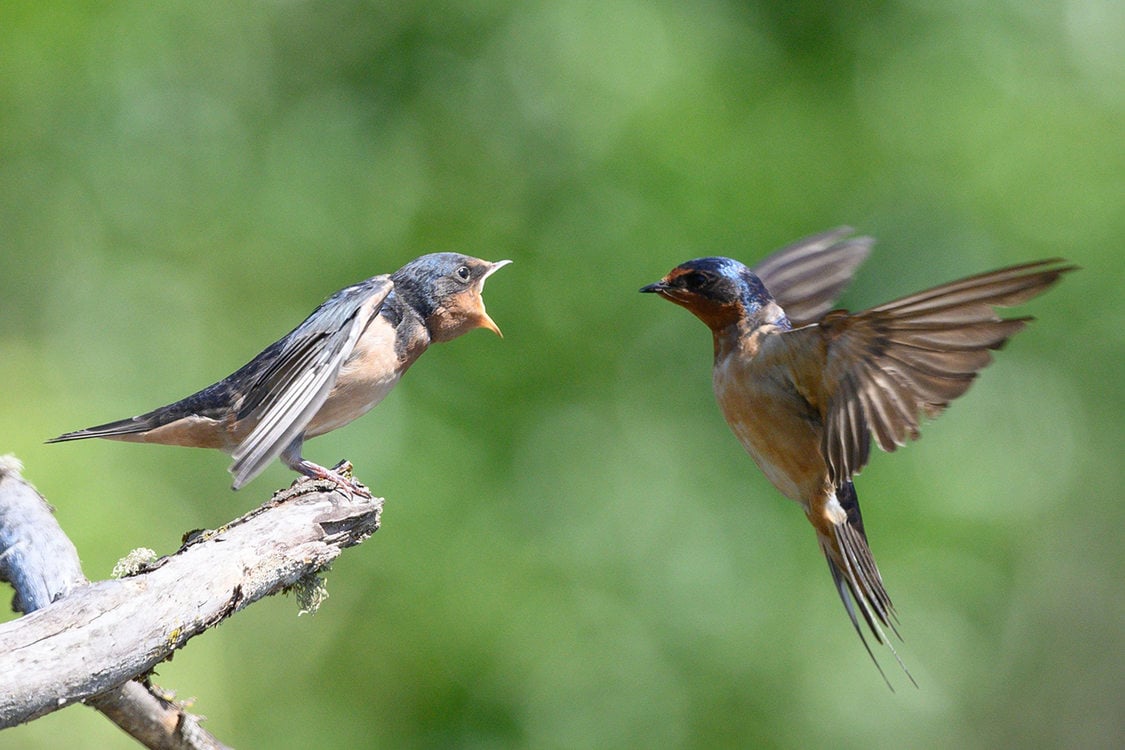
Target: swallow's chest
(773, 422)
(365, 379)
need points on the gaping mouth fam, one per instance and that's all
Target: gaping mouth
(491, 270)
(485, 320)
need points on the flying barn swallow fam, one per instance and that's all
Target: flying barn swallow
(332, 368)
(805, 390)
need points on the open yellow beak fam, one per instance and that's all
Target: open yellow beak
(490, 324)
(485, 320)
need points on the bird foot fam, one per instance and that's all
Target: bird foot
(340, 474)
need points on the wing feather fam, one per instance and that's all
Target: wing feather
(292, 389)
(888, 366)
(806, 277)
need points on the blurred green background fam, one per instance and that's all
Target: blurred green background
(575, 552)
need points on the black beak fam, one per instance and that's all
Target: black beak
(658, 287)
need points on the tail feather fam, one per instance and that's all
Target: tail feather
(848, 597)
(211, 405)
(119, 429)
(859, 582)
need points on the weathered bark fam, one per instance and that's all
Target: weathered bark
(36, 557)
(86, 641)
(153, 720)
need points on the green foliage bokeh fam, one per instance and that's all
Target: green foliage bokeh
(575, 551)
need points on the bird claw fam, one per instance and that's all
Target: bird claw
(351, 486)
(340, 475)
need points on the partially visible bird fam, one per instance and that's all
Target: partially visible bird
(332, 368)
(805, 391)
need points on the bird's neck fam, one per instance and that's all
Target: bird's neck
(411, 335)
(744, 334)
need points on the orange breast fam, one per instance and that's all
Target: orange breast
(774, 424)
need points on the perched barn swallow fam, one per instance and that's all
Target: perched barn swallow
(805, 391)
(332, 368)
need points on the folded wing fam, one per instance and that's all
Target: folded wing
(286, 395)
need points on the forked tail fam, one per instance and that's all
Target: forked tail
(858, 581)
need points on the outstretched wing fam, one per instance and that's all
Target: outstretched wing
(887, 366)
(302, 368)
(806, 277)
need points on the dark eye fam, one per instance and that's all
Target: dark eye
(696, 280)
(463, 273)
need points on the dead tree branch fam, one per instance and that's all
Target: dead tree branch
(83, 641)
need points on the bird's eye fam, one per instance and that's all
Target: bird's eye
(696, 279)
(464, 273)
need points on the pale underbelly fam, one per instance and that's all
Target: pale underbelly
(347, 402)
(784, 445)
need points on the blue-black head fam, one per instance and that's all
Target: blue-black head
(718, 291)
(445, 289)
